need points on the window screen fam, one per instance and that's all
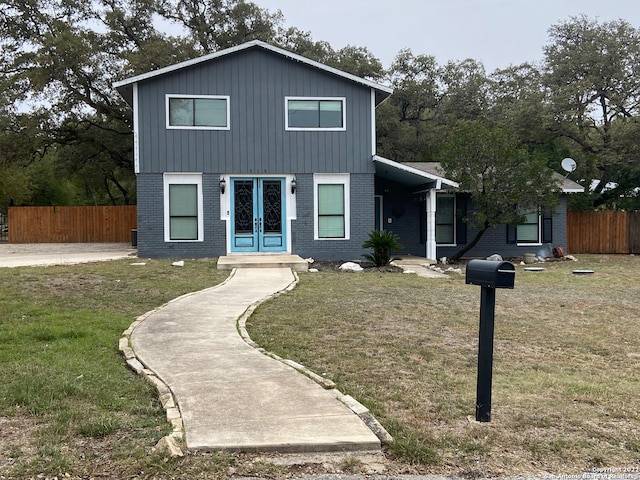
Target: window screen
(198, 112)
(331, 211)
(445, 219)
(315, 114)
(183, 211)
(529, 231)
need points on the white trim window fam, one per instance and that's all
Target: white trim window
(183, 207)
(331, 206)
(446, 220)
(198, 112)
(530, 232)
(315, 113)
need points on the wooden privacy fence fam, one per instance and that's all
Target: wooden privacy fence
(603, 232)
(72, 224)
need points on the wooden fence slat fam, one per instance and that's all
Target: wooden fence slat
(84, 224)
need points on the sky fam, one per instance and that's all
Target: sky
(498, 33)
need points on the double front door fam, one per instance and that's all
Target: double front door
(258, 215)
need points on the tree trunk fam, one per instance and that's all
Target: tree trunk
(458, 255)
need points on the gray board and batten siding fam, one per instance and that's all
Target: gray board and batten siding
(256, 78)
(257, 82)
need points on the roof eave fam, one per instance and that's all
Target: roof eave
(420, 173)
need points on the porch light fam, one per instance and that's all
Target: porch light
(223, 184)
(294, 186)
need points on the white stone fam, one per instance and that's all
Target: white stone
(169, 446)
(313, 270)
(178, 264)
(351, 267)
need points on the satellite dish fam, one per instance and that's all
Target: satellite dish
(568, 164)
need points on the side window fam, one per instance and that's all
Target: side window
(326, 113)
(198, 112)
(445, 220)
(183, 208)
(331, 207)
(529, 231)
(536, 229)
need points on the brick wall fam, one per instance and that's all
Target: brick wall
(151, 221)
(362, 221)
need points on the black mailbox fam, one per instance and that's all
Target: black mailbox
(490, 274)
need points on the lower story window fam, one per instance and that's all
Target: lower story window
(445, 220)
(183, 207)
(529, 231)
(536, 229)
(331, 206)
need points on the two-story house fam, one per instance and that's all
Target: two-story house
(256, 150)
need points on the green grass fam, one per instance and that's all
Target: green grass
(565, 387)
(566, 390)
(64, 386)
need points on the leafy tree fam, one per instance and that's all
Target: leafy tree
(519, 103)
(465, 91)
(59, 59)
(428, 101)
(404, 121)
(358, 61)
(592, 72)
(212, 25)
(504, 180)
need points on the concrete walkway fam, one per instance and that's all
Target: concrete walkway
(230, 395)
(419, 266)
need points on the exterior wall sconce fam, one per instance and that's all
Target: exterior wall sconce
(294, 186)
(223, 185)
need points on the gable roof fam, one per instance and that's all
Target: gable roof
(125, 87)
(567, 186)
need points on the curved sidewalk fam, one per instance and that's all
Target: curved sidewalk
(231, 396)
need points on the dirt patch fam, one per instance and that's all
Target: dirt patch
(369, 267)
(16, 439)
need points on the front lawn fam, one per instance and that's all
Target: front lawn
(68, 403)
(566, 391)
(565, 397)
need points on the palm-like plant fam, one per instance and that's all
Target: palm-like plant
(383, 243)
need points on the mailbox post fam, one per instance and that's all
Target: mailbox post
(489, 275)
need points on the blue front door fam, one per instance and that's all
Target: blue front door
(258, 215)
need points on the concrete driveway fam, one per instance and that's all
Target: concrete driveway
(41, 254)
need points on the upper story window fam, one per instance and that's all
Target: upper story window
(200, 112)
(325, 113)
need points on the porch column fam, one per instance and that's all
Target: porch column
(431, 224)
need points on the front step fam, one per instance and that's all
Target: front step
(294, 262)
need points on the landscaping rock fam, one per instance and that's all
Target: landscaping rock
(351, 267)
(169, 446)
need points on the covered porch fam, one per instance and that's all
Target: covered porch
(406, 202)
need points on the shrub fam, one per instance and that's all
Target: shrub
(383, 243)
